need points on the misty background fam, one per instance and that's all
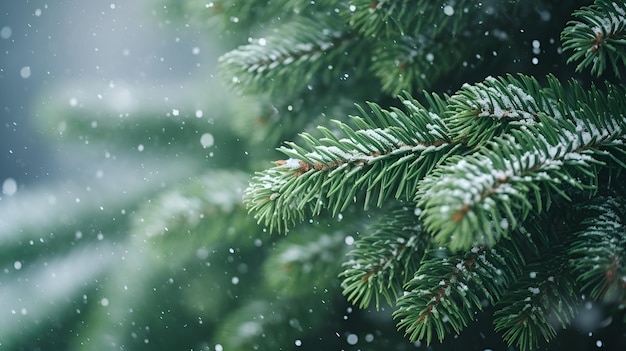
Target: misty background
(46, 48)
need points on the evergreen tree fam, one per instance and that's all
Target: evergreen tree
(506, 194)
(487, 212)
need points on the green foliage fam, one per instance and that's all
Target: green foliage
(351, 40)
(401, 155)
(490, 179)
(290, 59)
(599, 249)
(409, 51)
(439, 300)
(383, 261)
(279, 321)
(541, 302)
(407, 145)
(387, 18)
(496, 202)
(597, 38)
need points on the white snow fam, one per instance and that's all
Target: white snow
(349, 240)
(352, 339)
(292, 163)
(6, 32)
(25, 72)
(504, 224)
(534, 290)
(207, 140)
(9, 187)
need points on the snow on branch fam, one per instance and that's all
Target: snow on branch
(291, 60)
(448, 290)
(385, 260)
(598, 253)
(538, 304)
(597, 37)
(375, 163)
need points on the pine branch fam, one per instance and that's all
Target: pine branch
(385, 260)
(491, 108)
(384, 158)
(407, 63)
(388, 18)
(448, 289)
(598, 251)
(379, 18)
(417, 42)
(597, 38)
(543, 300)
(265, 120)
(298, 57)
(476, 199)
(458, 198)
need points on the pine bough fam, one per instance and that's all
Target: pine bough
(490, 182)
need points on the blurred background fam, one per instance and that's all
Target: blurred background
(122, 172)
(111, 46)
(103, 105)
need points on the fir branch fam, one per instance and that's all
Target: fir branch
(270, 120)
(482, 111)
(542, 300)
(476, 199)
(597, 38)
(387, 18)
(448, 290)
(598, 251)
(300, 55)
(383, 161)
(379, 18)
(385, 260)
(412, 63)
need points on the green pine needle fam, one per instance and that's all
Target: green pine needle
(597, 38)
(598, 251)
(541, 302)
(385, 260)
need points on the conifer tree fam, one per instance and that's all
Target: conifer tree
(506, 194)
(446, 175)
